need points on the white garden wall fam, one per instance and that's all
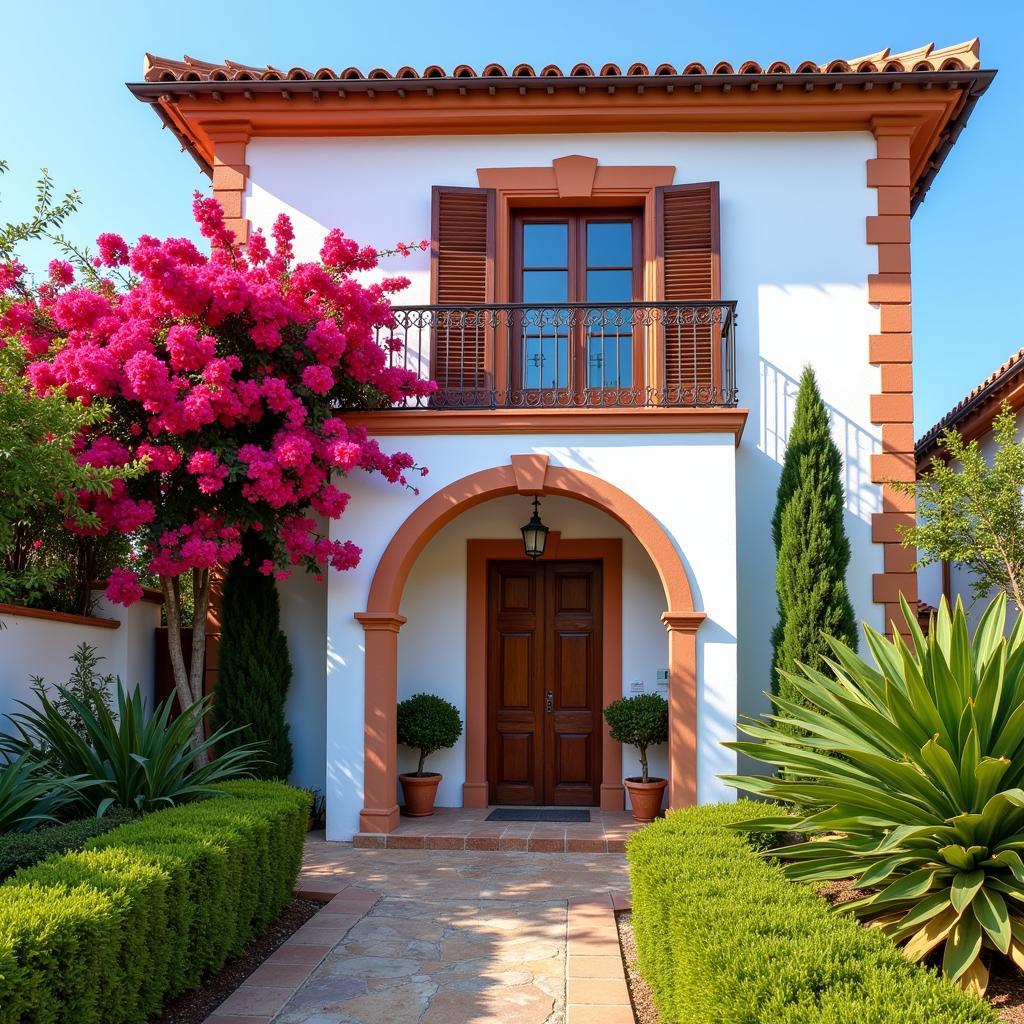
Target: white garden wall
(32, 646)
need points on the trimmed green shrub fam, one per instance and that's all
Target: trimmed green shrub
(23, 849)
(811, 548)
(254, 668)
(428, 723)
(723, 936)
(107, 934)
(640, 721)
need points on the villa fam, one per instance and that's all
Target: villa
(628, 269)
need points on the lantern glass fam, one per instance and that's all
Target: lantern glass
(535, 533)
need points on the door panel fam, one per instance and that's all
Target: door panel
(515, 747)
(516, 669)
(544, 683)
(573, 621)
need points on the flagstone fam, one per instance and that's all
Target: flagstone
(457, 937)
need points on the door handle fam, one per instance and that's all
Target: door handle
(549, 702)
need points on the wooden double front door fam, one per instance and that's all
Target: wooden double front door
(544, 683)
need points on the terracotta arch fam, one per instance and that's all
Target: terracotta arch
(526, 474)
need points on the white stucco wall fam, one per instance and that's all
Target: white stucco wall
(657, 470)
(794, 255)
(43, 647)
(304, 622)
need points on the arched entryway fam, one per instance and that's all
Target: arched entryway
(526, 474)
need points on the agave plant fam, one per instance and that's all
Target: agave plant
(129, 759)
(27, 798)
(908, 778)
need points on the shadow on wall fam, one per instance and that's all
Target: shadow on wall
(344, 775)
(758, 470)
(778, 391)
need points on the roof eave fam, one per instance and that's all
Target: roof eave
(972, 83)
(927, 446)
(978, 79)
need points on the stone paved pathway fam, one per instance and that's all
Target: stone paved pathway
(455, 937)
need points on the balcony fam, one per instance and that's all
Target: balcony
(576, 355)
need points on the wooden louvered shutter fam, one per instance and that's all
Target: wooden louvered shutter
(462, 274)
(689, 256)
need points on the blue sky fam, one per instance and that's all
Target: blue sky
(63, 105)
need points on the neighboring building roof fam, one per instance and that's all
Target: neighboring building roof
(934, 90)
(925, 611)
(974, 413)
(960, 57)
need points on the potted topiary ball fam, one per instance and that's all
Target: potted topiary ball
(426, 723)
(642, 722)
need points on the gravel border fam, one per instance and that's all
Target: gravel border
(644, 1011)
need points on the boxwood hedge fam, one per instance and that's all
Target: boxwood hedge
(722, 936)
(108, 933)
(23, 849)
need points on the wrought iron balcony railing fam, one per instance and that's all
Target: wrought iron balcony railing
(573, 355)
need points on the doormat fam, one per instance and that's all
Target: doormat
(538, 814)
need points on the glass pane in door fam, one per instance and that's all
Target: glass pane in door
(609, 283)
(544, 349)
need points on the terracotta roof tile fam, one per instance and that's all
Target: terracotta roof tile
(961, 57)
(992, 387)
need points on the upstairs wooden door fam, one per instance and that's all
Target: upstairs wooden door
(544, 683)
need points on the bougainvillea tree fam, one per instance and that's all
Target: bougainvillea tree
(225, 374)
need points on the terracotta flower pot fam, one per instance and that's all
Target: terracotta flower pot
(646, 797)
(420, 792)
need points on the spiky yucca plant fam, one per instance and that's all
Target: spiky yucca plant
(908, 778)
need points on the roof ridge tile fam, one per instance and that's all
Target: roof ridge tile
(959, 56)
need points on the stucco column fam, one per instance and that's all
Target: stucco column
(682, 706)
(380, 742)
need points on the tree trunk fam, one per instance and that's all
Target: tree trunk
(643, 763)
(188, 684)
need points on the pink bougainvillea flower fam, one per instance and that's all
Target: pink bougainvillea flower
(219, 370)
(123, 587)
(113, 250)
(61, 272)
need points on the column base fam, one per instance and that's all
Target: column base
(474, 794)
(373, 819)
(613, 798)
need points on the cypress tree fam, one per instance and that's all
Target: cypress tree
(255, 670)
(811, 548)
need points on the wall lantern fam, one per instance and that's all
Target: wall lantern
(535, 533)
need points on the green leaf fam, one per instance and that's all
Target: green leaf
(990, 910)
(965, 887)
(960, 857)
(917, 883)
(962, 946)
(925, 910)
(1012, 860)
(935, 758)
(880, 871)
